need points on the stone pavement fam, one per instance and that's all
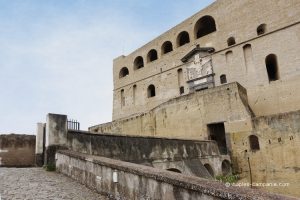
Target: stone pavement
(37, 184)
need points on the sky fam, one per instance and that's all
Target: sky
(56, 55)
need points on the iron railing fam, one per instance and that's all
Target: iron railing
(73, 125)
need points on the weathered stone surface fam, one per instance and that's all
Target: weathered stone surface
(17, 150)
(142, 182)
(37, 184)
(187, 156)
(238, 19)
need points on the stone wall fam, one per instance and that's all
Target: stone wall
(187, 156)
(123, 180)
(277, 159)
(187, 116)
(17, 150)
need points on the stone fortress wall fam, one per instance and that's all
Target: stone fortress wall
(243, 62)
(230, 73)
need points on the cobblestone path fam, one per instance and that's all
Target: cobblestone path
(37, 184)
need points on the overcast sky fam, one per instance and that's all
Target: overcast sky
(56, 55)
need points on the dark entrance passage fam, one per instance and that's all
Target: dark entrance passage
(217, 133)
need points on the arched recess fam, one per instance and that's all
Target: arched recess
(272, 67)
(152, 55)
(254, 143)
(223, 79)
(226, 167)
(138, 63)
(231, 41)
(204, 26)
(209, 169)
(174, 170)
(183, 38)
(248, 56)
(166, 47)
(123, 72)
(133, 94)
(151, 91)
(229, 57)
(122, 98)
(261, 29)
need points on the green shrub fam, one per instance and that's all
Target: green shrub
(50, 167)
(228, 178)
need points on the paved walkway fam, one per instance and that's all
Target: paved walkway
(37, 184)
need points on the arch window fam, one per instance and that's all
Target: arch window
(261, 29)
(183, 38)
(151, 91)
(204, 26)
(167, 47)
(231, 41)
(123, 72)
(152, 55)
(272, 67)
(138, 63)
(254, 142)
(223, 79)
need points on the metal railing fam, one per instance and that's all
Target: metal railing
(73, 125)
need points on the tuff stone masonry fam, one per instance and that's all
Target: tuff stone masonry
(229, 73)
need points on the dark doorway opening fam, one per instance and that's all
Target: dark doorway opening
(217, 133)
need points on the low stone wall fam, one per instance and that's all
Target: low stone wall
(123, 180)
(17, 150)
(187, 156)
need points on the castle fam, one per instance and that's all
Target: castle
(230, 73)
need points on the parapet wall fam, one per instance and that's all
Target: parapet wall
(187, 156)
(17, 150)
(122, 180)
(189, 114)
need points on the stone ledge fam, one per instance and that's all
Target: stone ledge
(199, 185)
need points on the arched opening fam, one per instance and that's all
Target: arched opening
(183, 38)
(174, 170)
(152, 55)
(209, 169)
(138, 63)
(254, 143)
(123, 72)
(272, 67)
(181, 90)
(226, 168)
(229, 57)
(231, 41)
(261, 29)
(248, 56)
(151, 91)
(223, 79)
(204, 26)
(122, 98)
(133, 94)
(166, 47)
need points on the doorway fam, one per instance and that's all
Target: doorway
(216, 132)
